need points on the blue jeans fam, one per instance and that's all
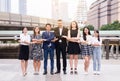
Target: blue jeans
(46, 52)
(96, 58)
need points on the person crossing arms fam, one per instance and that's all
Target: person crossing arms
(24, 50)
(48, 47)
(36, 52)
(86, 48)
(97, 42)
(60, 44)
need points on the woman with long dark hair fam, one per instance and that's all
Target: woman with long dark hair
(96, 52)
(24, 50)
(73, 46)
(86, 48)
(36, 52)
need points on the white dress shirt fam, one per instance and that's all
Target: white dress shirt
(60, 30)
(95, 40)
(89, 39)
(24, 38)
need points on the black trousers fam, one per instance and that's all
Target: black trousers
(61, 49)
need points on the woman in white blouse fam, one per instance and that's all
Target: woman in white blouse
(86, 48)
(24, 50)
(96, 52)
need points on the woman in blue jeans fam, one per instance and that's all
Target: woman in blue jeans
(96, 52)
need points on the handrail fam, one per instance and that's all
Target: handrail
(10, 17)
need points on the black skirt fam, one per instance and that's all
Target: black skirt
(24, 52)
(73, 48)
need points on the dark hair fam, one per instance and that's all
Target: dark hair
(23, 29)
(84, 34)
(34, 30)
(59, 20)
(48, 24)
(75, 23)
(98, 34)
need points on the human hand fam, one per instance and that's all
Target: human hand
(55, 39)
(34, 40)
(78, 41)
(64, 36)
(44, 39)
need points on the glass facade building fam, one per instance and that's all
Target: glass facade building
(103, 12)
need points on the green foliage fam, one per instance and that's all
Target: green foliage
(113, 26)
(91, 27)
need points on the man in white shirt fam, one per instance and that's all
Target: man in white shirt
(61, 44)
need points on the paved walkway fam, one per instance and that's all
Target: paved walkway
(10, 71)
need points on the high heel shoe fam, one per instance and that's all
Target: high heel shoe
(75, 71)
(71, 72)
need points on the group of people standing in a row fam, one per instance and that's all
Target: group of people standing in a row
(63, 40)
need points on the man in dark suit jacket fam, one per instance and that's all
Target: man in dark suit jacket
(60, 44)
(48, 47)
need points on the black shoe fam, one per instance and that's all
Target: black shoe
(76, 72)
(57, 72)
(71, 72)
(44, 73)
(51, 73)
(64, 72)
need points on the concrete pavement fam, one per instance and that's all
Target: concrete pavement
(10, 70)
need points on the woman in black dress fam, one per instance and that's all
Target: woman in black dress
(24, 50)
(73, 46)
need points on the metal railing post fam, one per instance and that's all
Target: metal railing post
(107, 48)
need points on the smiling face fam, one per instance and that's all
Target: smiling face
(48, 27)
(25, 30)
(73, 25)
(37, 30)
(96, 33)
(86, 31)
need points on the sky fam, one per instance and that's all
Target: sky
(14, 6)
(42, 8)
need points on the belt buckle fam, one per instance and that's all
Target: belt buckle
(60, 41)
